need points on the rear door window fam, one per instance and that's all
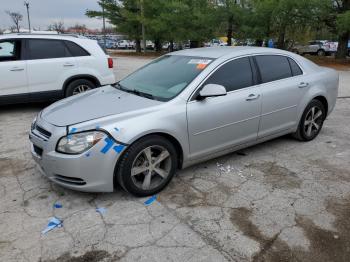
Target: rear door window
(273, 67)
(75, 50)
(234, 75)
(10, 50)
(46, 49)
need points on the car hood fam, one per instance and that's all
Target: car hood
(94, 104)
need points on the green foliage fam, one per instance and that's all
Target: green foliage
(343, 22)
(201, 20)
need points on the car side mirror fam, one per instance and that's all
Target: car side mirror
(212, 90)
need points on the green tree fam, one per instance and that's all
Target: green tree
(124, 14)
(343, 27)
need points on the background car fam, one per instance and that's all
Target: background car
(317, 47)
(125, 44)
(184, 108)
(44, 67)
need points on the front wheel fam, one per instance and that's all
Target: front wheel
(311, 121)
(147, 166)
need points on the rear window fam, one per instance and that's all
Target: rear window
(273, 67)
(45, 49)
(76, 50)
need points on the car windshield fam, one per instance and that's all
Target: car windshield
(164, 78)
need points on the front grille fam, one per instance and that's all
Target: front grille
(70, 180)
(38, 150)
(42, 131)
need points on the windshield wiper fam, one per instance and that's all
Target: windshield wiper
(139, 93)
(134, 91)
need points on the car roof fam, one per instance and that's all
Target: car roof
(41, 36)
(227, 51)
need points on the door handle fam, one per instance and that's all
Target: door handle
(68, 64)
(16, 69)
(252, 97)
(303, 84)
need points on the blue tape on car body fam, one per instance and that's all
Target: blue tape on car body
(116, 129)
(118, 148)
(72, 131)
(108, 146)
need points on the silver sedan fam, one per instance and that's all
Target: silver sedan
(181, 109)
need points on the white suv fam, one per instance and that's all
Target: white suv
(44, 67)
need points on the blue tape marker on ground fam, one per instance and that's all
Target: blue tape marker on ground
(150, 200)
(108, 146)
(53, 223)
(57, 205)
(101, 210)
(118, 148)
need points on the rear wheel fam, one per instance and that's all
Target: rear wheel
(321, 52)
(147, 166)
(79, 86)
(311, 121)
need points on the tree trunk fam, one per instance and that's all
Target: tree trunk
(281, 38)
(343, 46)
(158, 45)
(138, 45)
(171, 46)
(230, 31)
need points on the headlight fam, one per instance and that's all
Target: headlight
(32, 126)
(78, 143)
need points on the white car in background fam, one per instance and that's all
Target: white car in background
(125, 44)
(37, 67)
(317, 47)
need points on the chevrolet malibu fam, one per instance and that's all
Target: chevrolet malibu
(181, 109)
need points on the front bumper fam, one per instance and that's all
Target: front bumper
(92, 171)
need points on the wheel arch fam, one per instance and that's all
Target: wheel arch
(323, 100)
(80, 76)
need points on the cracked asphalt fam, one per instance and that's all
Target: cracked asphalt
(282, 200)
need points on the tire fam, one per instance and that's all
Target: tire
(304, 133)
(135, 158)
(321, 52)
(80, 84)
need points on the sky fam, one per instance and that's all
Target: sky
(45, 12)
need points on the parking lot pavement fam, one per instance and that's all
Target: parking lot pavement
(279, 201)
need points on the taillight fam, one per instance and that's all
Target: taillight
(110, 62)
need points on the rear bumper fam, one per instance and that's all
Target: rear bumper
(108, 80)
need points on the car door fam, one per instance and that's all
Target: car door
(282, 88)
(217, 123)
(13, 69)
(49, 64)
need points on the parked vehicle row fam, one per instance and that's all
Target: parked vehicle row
(181, 109)
(44, 67)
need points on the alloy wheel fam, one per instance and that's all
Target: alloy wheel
(313, 121)
(80, 89)
(151, 167)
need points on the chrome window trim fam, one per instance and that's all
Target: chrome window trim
(191, 97)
